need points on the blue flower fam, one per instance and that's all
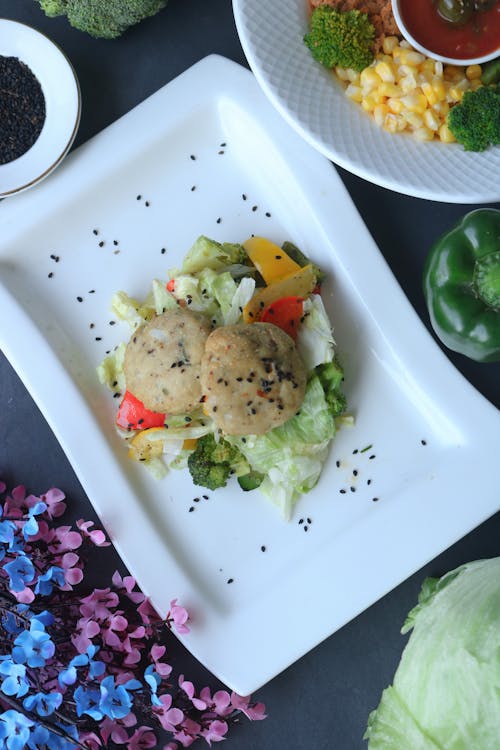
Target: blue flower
(43, 703)
(39, 738)
(15, 682)
(7, 532)
(45, 582)
(96, 668)
(30, 528)
(153, 679)
(20, 571)
(14, 730)
(87, 702)
(115, 701)
(33, 646)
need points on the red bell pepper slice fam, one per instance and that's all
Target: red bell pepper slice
(171, 285)
(284, 313)
(133, 415)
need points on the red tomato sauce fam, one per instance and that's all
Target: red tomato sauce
(478, 37)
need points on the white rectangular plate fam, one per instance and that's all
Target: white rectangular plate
(210, 156)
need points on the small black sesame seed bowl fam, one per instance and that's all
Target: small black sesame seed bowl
(40, 106)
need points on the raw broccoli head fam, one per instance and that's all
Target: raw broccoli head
(103, 18)
(212, 462)
(338, 38)
(475, 122)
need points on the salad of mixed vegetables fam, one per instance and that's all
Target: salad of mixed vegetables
(256, 340)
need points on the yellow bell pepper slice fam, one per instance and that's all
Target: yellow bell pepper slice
(147, 444)
(300, 284)
(270, 260)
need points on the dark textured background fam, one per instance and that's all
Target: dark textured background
(324, 699)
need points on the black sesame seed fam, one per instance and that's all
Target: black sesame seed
(95, 231)
(139, 197)
(219, 220)
(192, 157)
(115, 242)
(371, 457)
(353, 489)
(98, 338)
(301, 521)
(101, 243)
(91, 325)
(263, 548)
(368, 481)
(268, 214)
(191, 508)
(80, 299)
(196, 499)
(254, 208)
(424, 442)
(243, 196)
(375, 499)
(355, 472)
(337, 464)
(205, 497)
(50, 275)
(230, 580)
(342, 492)
(193, 188)
(146, 203)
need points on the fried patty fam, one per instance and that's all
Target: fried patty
(163, 358)
(252, 378)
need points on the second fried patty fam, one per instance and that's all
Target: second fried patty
(252, 378)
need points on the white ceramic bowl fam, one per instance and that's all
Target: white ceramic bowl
(62, 103)
(314, 103)
(430, 53)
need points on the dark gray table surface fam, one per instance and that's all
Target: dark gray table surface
(324, 699)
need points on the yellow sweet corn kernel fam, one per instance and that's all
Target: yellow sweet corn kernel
(439, 88)
(415, 102)
(429, 93)
(386, 71)
(354, 92)
(395, 105)
(389, 44)
(342, 74)
(441, 108)
(410, 57)
(408, 83)
(369, 79)
(414, 120)
(394, 123)
(352, 75)
(379, 114)
(438, 68)
(455, 94)
(423, 134)
(473, 72)
(389, 89)
(445, 134)
(431, 120)
(427, 66)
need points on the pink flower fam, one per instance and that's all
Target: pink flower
(127, 584)
(179, 616)
(163, 669)
(25, 596)
(142, 739)
(148, 613)
(3, 486)
(96, 536)
(114, 729)
(254, 712)
(220, 703)
(168, 717)
(53, 499)
(215, 731)
(97, 604)
(171, 746)
(72, 575)
(64, 539)
(86, 630)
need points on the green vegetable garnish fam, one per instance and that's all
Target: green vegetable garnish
(103, 18)
(343, 39)
(475, 121)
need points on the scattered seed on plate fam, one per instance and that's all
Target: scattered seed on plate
(221, 152)
(191, 508)
(55, 258)
(368, 481)
(205, 497)
(342, 491)
(95, 231)
(371, 457)
(193, 188)
(223, 145)
(98, 338)
(80, 299)
(50, 275)
(353, 489)
(115, 242)
(192, 157)
(163, 250)
(254, 208)
(268, 214)
(219, 220)
(337, 464)
(139, 197)
(101, 243)
(91, 291)
(355, 451)
(147, 204)
(355, 472)
(244, 196)
(263, 548)
(230, 580)
(374, 499)
(423, 442)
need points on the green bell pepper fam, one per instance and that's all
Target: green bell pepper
(462, 286)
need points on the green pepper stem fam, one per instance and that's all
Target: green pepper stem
(486, 279)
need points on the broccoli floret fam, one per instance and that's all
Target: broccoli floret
(53, 8)
(212, 462)
(343, 39)
(331, 376)
(475, 122)
(103, 18)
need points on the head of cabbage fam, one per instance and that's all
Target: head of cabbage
(446, 690)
